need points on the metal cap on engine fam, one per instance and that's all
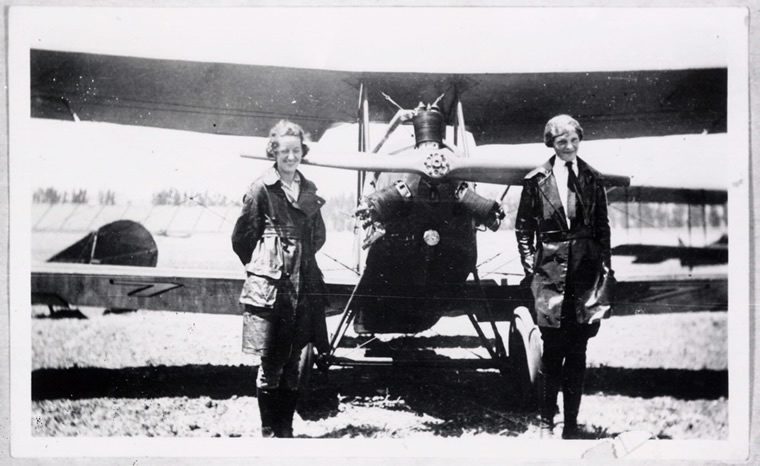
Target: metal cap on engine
(428, 125)
(431, 237)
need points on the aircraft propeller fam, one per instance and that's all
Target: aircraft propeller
(436, 164)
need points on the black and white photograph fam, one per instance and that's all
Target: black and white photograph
(466, 232)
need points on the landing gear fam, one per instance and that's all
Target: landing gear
(516, 353)
(525, 348)
(305, 367)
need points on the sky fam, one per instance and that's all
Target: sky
(400, 39)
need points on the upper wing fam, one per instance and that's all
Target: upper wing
(661, 168)
(501, 108)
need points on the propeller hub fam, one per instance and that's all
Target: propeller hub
(431, 237)
(436, 165)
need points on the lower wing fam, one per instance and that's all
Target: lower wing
(129, 287)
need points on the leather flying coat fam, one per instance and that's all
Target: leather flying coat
(277, 240)
(551, 251)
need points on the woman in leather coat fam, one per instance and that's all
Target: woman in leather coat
(563, 237)
(276, 237)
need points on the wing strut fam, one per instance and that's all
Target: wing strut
(361, 175)
(498, 353)
(363, 137)
(460, 131)
(345, 320)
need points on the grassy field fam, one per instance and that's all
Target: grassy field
(169, 374)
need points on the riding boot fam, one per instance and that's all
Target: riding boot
(267, 410)
(551, 371)
(548, 407)
(572, 390)
(287, 407)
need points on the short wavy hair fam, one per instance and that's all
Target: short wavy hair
(560, 124)
(285, 128)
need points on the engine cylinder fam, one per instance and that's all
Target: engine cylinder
(428, 126)
(479, 207)
(389, 201)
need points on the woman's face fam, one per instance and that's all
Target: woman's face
(566, 145)
(288, 154)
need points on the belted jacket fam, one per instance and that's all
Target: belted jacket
(277, 239)
(557, 256)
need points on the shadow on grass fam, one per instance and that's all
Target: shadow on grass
(465, 401)
(649, 383)
(222, 382)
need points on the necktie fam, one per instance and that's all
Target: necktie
(571, 192)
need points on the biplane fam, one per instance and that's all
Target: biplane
(430, 272)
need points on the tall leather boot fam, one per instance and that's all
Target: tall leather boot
(267, 409)
(551, 370)
(573, 375)
(287, 400)
(548, 407)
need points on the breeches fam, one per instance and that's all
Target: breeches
(567, 345)
(564, 364)
(279, 372)
(568, 342)
(276, 337)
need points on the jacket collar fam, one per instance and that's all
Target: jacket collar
(551, 193)
(271, 177)
(308, 200)
(582, 165)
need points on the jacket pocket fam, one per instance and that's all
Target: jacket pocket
(266, 259)
(259, 291)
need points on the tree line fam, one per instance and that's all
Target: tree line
(52, 195)
(338, 211)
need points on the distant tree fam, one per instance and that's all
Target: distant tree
(79, 196)
(107, 197)
(678, 216)
(165, 197)
(52, 195)
(47, 196)
(698, 216)
(717, 215)
(173, 196)
(617, 216)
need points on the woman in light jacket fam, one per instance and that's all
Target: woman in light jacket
(276, 237)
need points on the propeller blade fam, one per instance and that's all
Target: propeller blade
(409, 162)
(438, 164)
(509, 168)
(404, 162)
(492, 168)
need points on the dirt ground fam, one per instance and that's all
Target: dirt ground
(164, 374)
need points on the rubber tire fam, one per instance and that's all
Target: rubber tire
(305, 367)
(525, 348)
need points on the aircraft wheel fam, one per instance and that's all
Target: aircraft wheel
(525, 348)
(305, 366)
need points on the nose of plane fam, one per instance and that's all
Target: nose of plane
(431, 237)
